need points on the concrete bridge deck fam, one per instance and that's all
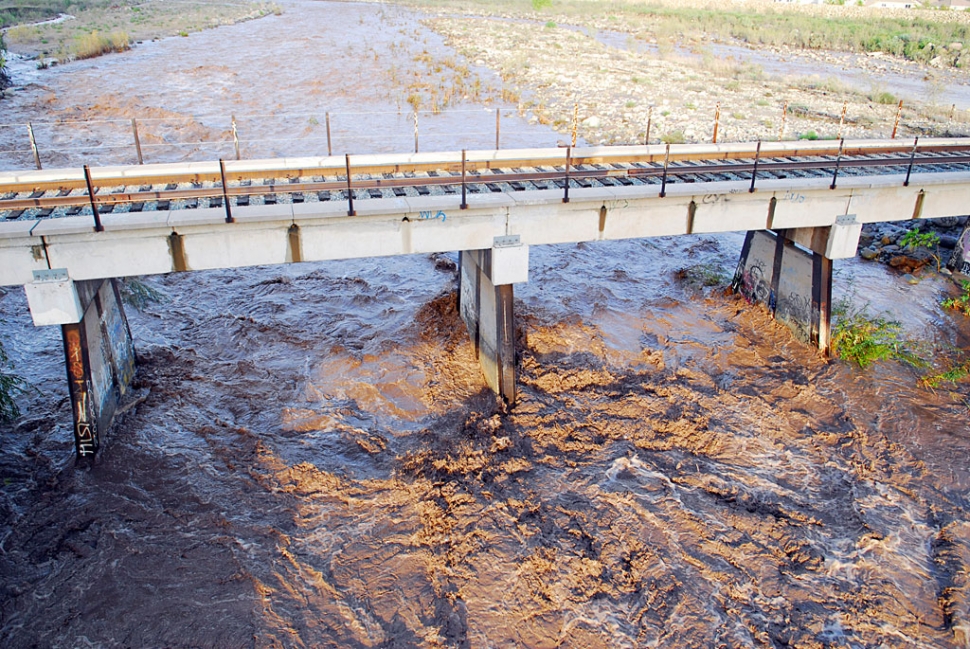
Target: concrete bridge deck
(423, 203)
(67, 234)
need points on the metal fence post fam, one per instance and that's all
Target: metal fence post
(717, 121)
(415, 131)
(912, 158)
(350, 190)
(575, 122)
(134, 132)
(329, 143)
(838, 162)
(235, 136)
(225, 191)
(498, 127)
(663, 181)
(754, 171)
(94, 206)
(784, 117)
(646, 139)
(464, 203)
(899, 113)
(33, 144)
(569, 161)
(845, 107)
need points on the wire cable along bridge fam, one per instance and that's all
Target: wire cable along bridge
(65, 234)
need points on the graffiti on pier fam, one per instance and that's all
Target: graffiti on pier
(963, 252)
(433, 216)
(754, 285)
(796, 311)
(85, 432)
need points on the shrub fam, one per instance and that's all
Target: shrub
(884, 98)
(673, 137)
(95, 44)
(4, 77)
(862, 338)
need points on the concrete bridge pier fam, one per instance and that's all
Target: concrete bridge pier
(98, 349)
(485, 303)
(790, 272)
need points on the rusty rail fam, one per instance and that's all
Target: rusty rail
(542, 166)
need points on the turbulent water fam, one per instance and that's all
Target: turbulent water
(316, 460)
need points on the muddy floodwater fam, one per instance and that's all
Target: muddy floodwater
(315, 460)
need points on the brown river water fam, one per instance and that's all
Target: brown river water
(318, 463)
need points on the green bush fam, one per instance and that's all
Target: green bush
(11, 386)
(862, 338)
(4, 77)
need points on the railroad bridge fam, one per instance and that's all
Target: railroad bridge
(66, 234)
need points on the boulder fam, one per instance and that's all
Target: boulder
(911, 261)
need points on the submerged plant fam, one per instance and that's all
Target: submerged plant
(956, 371)
(11, 386)
(961, 302)
(138, 294)
(863, 338)
(705, 275)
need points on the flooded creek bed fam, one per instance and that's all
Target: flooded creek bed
(317, 461)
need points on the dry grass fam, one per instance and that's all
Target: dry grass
(115, 23)
(95, 44)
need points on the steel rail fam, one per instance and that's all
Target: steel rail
(475, 161)
(679, 166)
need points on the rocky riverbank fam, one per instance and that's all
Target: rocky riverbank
(614, 94)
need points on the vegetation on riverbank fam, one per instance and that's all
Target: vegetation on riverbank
(941, 37)
(95, 27)
(862, 338)
(4, 77)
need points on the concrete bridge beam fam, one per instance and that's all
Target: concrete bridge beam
(485, 303)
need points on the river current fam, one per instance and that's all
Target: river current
(315, 460)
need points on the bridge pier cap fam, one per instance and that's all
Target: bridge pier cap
(53, 298)
(510, 261)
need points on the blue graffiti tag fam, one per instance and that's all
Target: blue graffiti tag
(429, 216)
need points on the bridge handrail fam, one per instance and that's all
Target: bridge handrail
(476, 160)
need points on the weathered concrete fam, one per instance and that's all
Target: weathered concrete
(795, 284)
(100, 361)
(960, 259)
(142, 244)
(485, 303)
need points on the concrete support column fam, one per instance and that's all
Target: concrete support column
(98, 349)
(790, 272)
(960, 260)
(485, 303)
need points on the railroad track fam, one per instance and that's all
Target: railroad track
(90, 192)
